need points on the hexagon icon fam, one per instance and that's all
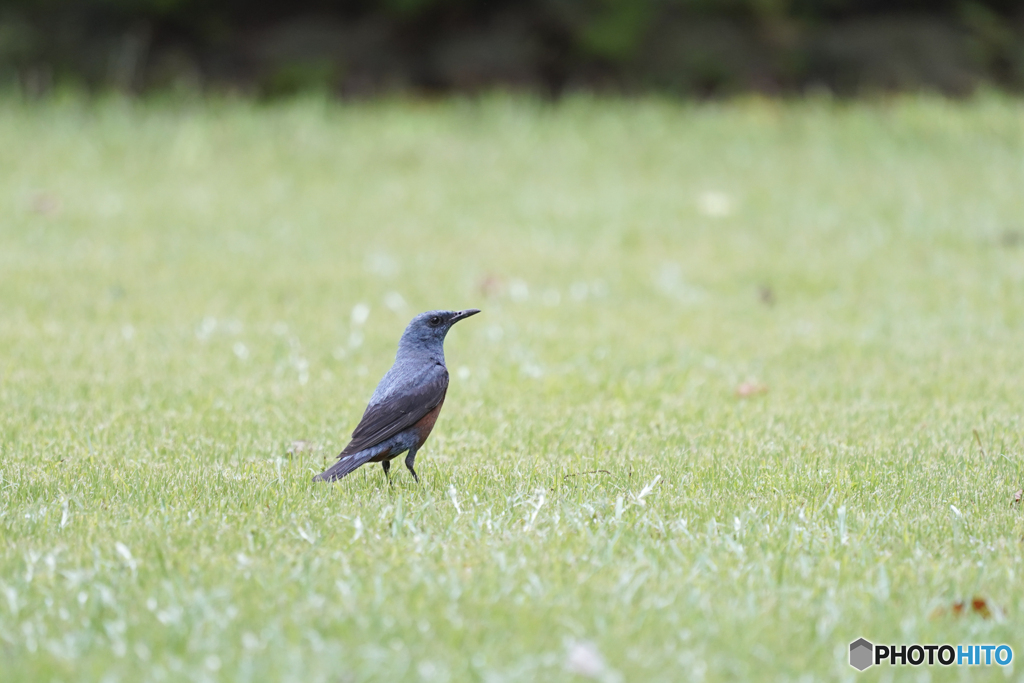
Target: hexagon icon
(860, 654)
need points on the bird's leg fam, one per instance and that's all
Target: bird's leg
(409, 460)
(386, 464)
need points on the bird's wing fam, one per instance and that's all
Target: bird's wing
(402, 410)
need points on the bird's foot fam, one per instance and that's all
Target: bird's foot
(409, 461)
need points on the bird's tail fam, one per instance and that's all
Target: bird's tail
(345, 464)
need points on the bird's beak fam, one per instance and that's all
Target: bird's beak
(464, 314)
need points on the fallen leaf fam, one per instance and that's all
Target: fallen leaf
(980, 606)
(977, 605)
(748, 389)
(490, 286)
(45, 204)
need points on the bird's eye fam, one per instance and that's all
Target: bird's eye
(435, 320)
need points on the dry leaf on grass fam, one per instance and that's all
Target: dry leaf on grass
(748, 389)
(46, 204)
(976, 605)
(490, 286)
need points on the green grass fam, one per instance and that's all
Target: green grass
(177, 284)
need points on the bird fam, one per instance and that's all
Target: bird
(407, 401)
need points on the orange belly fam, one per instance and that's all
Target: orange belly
(425, 425)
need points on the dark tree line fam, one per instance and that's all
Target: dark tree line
(365, 47)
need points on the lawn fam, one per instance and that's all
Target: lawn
(747, 386)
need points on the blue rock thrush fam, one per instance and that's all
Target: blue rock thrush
(405, 406)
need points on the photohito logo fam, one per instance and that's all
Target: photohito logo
(863, 654)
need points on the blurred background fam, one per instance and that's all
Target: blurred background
(366, 48)
(748, 371)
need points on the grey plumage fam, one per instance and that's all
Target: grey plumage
(405, 404)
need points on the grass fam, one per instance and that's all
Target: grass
(181, 290)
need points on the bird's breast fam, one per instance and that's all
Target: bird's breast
(426, 423)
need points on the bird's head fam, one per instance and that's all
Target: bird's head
(427, 330)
